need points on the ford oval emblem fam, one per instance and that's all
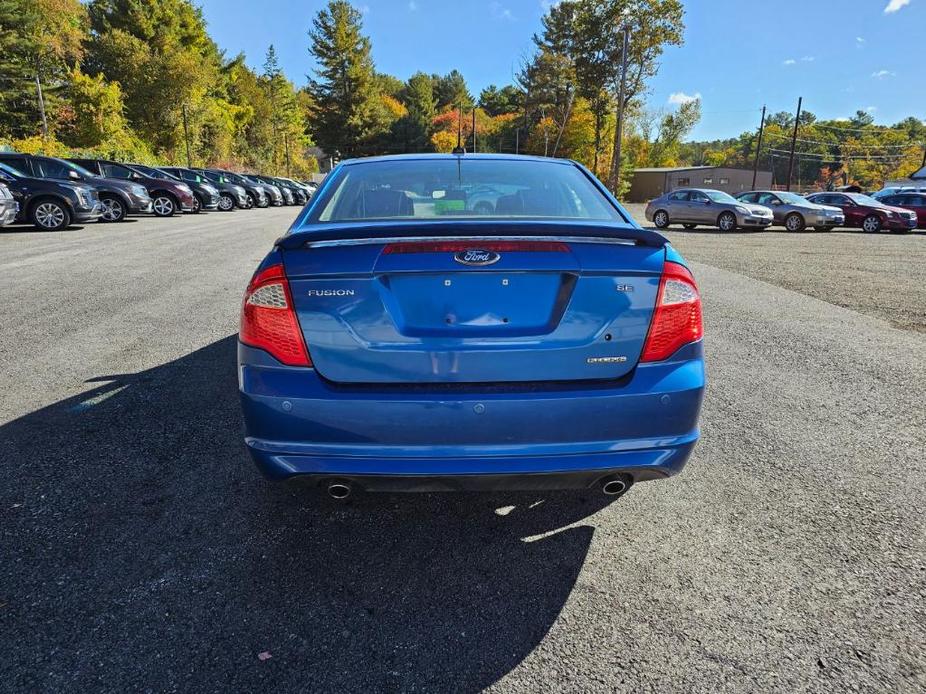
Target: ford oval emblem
(476, 256)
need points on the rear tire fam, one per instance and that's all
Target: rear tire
(113, 209)
(661, 219)
(871, 224)
(727, 221)
(689, 226)
(164, 205)
(794, 222)
(50, 215)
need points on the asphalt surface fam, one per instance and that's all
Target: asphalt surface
(140, 551)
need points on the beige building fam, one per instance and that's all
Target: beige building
(651, 183)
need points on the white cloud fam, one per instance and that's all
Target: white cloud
(679, 98)
(895, 5)
(500, 12)
(871, 109)
(807, 59)
(881, 74)
(412, 5)
(843, 119)
(859, 39)
(789, 61)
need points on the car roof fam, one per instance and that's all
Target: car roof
(455, 157)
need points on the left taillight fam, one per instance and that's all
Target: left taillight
(268, 318)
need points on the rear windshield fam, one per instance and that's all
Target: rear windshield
(455, 188)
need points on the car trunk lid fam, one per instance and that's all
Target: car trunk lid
(505, 307)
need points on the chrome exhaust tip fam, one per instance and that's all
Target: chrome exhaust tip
(339, 490)
(615, 486)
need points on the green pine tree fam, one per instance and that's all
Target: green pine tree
(347, 102)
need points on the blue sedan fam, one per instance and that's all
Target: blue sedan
(398, 338)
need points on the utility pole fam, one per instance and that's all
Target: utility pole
(286, 149)
(474, 130)
(619, 130)
(38, 86)
(546, 132)
(797, 122)
(565, 120)
(755, 164)
(517, 143)
(186, 136)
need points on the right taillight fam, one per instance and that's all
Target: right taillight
(268, 319)
(677, 318)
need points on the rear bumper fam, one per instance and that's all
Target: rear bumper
(297, 424)
(475, 474)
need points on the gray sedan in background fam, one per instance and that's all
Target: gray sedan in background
(795, 212)
(693, 206)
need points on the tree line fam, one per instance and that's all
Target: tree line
(142, 80)
(828, 153)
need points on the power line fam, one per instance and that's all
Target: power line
(843, 144)
(825, 157)
(869, 129)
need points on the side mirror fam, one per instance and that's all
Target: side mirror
(73, 175)
(135, 176)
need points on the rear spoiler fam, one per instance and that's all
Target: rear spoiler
(393, 230)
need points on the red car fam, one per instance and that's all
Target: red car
(915, 202)
(867, 213)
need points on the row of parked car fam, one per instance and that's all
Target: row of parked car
(53, 193)
(900, 211)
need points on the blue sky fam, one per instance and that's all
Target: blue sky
(738, 54)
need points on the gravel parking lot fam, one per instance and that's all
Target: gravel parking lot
(140, 551)
(882, 275)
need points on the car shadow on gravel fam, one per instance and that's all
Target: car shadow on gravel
(141, 550)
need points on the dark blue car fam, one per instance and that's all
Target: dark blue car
(400, 338)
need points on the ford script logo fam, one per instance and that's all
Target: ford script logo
(475, 256)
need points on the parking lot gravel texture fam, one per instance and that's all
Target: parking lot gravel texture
(141, 551)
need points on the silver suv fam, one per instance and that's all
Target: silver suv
(693, 206)
(795, 213)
